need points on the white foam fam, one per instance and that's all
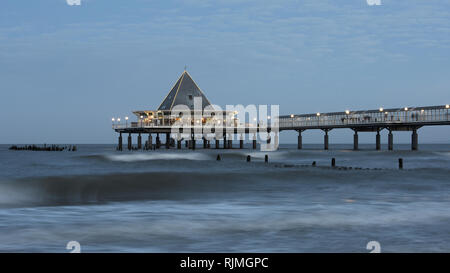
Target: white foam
(157, 156)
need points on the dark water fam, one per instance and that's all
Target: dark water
(175, 201)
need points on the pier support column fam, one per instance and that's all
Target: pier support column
(167, 140)
(254, 141)
(378, 140)
(208, 144)
(241, 142)
(355, 141)
(205, 144)
(414, 140)
(230, 142)
(129, 141)
(299, 140)
(217, 143)
(158, 141)
(179, 144)
(120, 142)
(325, 140)
(187, 144)
(193, 141)
(139, 141)
(390, 141)
(150, 141)
(225, 141)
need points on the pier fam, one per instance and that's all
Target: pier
(211, 128)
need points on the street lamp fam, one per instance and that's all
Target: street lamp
(126, 121)
(406, 108)
(347, 112)
(447, 106)
(381, 109)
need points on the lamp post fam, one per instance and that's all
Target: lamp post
(113, 119)
(126, 121)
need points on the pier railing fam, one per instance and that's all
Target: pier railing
(408, 116)
(418, 116)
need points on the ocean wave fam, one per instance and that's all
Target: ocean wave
(136, 157)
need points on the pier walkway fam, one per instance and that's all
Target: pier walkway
(395, 119)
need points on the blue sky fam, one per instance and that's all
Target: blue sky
(65, 71)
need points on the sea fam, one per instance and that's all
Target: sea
(188, 201)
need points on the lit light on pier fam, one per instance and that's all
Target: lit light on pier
(406, 108)
(113, 119)
(347, 112)
(381, 109)
(292, 115)
(447, 106)
(126, 118)
(118, 119)
(318, 114)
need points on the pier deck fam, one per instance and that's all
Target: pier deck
(395, 119)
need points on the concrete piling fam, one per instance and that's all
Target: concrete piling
(414, 140)
(390, 141)
(333, 162)
(218, 158)
(120, 142)
(378, 141)
(355, 141)
(266, 158)
(400, 163)
(254, 141)
(325, 140)
(217, 143)
(299, 140)
(150, 141)
(167, 140)
(248, 158)
(139, 141)
(129, 141)
(158, 141)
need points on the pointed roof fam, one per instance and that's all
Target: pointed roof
(183, 92)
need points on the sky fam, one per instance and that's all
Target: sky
(65, 70)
